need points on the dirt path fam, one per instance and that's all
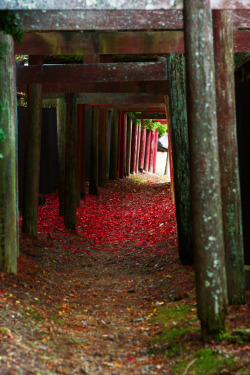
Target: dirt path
(82, 306)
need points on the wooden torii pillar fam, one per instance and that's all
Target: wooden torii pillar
(71, 166)
(228, 154)
(8, 164)
(61, 127)
(113, 145)
(32, 154)
(93, 174)
(178, 133)
(205, 173)
(128, 144)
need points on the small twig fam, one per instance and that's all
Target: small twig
(189, 365)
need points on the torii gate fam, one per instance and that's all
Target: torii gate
(198, 33)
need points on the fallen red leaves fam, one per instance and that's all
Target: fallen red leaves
(140, 216)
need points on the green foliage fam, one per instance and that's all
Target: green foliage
(10, 24)
(161, 128)
(24, 58)
(149, 124)
(239, 57)
(206, 362)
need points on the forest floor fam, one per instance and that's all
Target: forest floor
(113, 298)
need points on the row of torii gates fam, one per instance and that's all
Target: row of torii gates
(202, 128)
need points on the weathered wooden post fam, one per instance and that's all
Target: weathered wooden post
(205, 174)
(32, 154)
(152, 149)
(143, 145)
(228, 153)
(147, 150)
(155, 151)
(171, 168)
(123, 146)
(113, 145)
(134, 147)
(128, 149)
(61, 126)
(70, 202)
(93, 174)
(81, 165)
(8, 164)
(102, 145)
(178, 132)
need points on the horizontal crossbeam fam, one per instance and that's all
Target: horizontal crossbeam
(151, 87)
(108, 99)
(81, 73)
(115, 5)
(74, 20)
(111, 43)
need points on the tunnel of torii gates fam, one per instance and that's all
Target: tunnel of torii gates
(133, 52)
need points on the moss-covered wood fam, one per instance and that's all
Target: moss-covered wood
(93, 173)
(71, 166)
(113, 145)
(32, 154)
(178, 132)
(61, 124)
(228, 153)
(204, 164)
(8, 164)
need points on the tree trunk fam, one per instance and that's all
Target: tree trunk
(155, 153)
(129, 139)
(178, 131)
(142, 148)
(205, 175)
(228, 153)
(152, 149)
(70, 163)
(32, 154)
(113, 145)
(134, 148)
(8, 165)
(102, 145)
(61, 126)
(93, 174)
(147, 150)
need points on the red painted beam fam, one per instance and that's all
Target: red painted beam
(113, 72)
